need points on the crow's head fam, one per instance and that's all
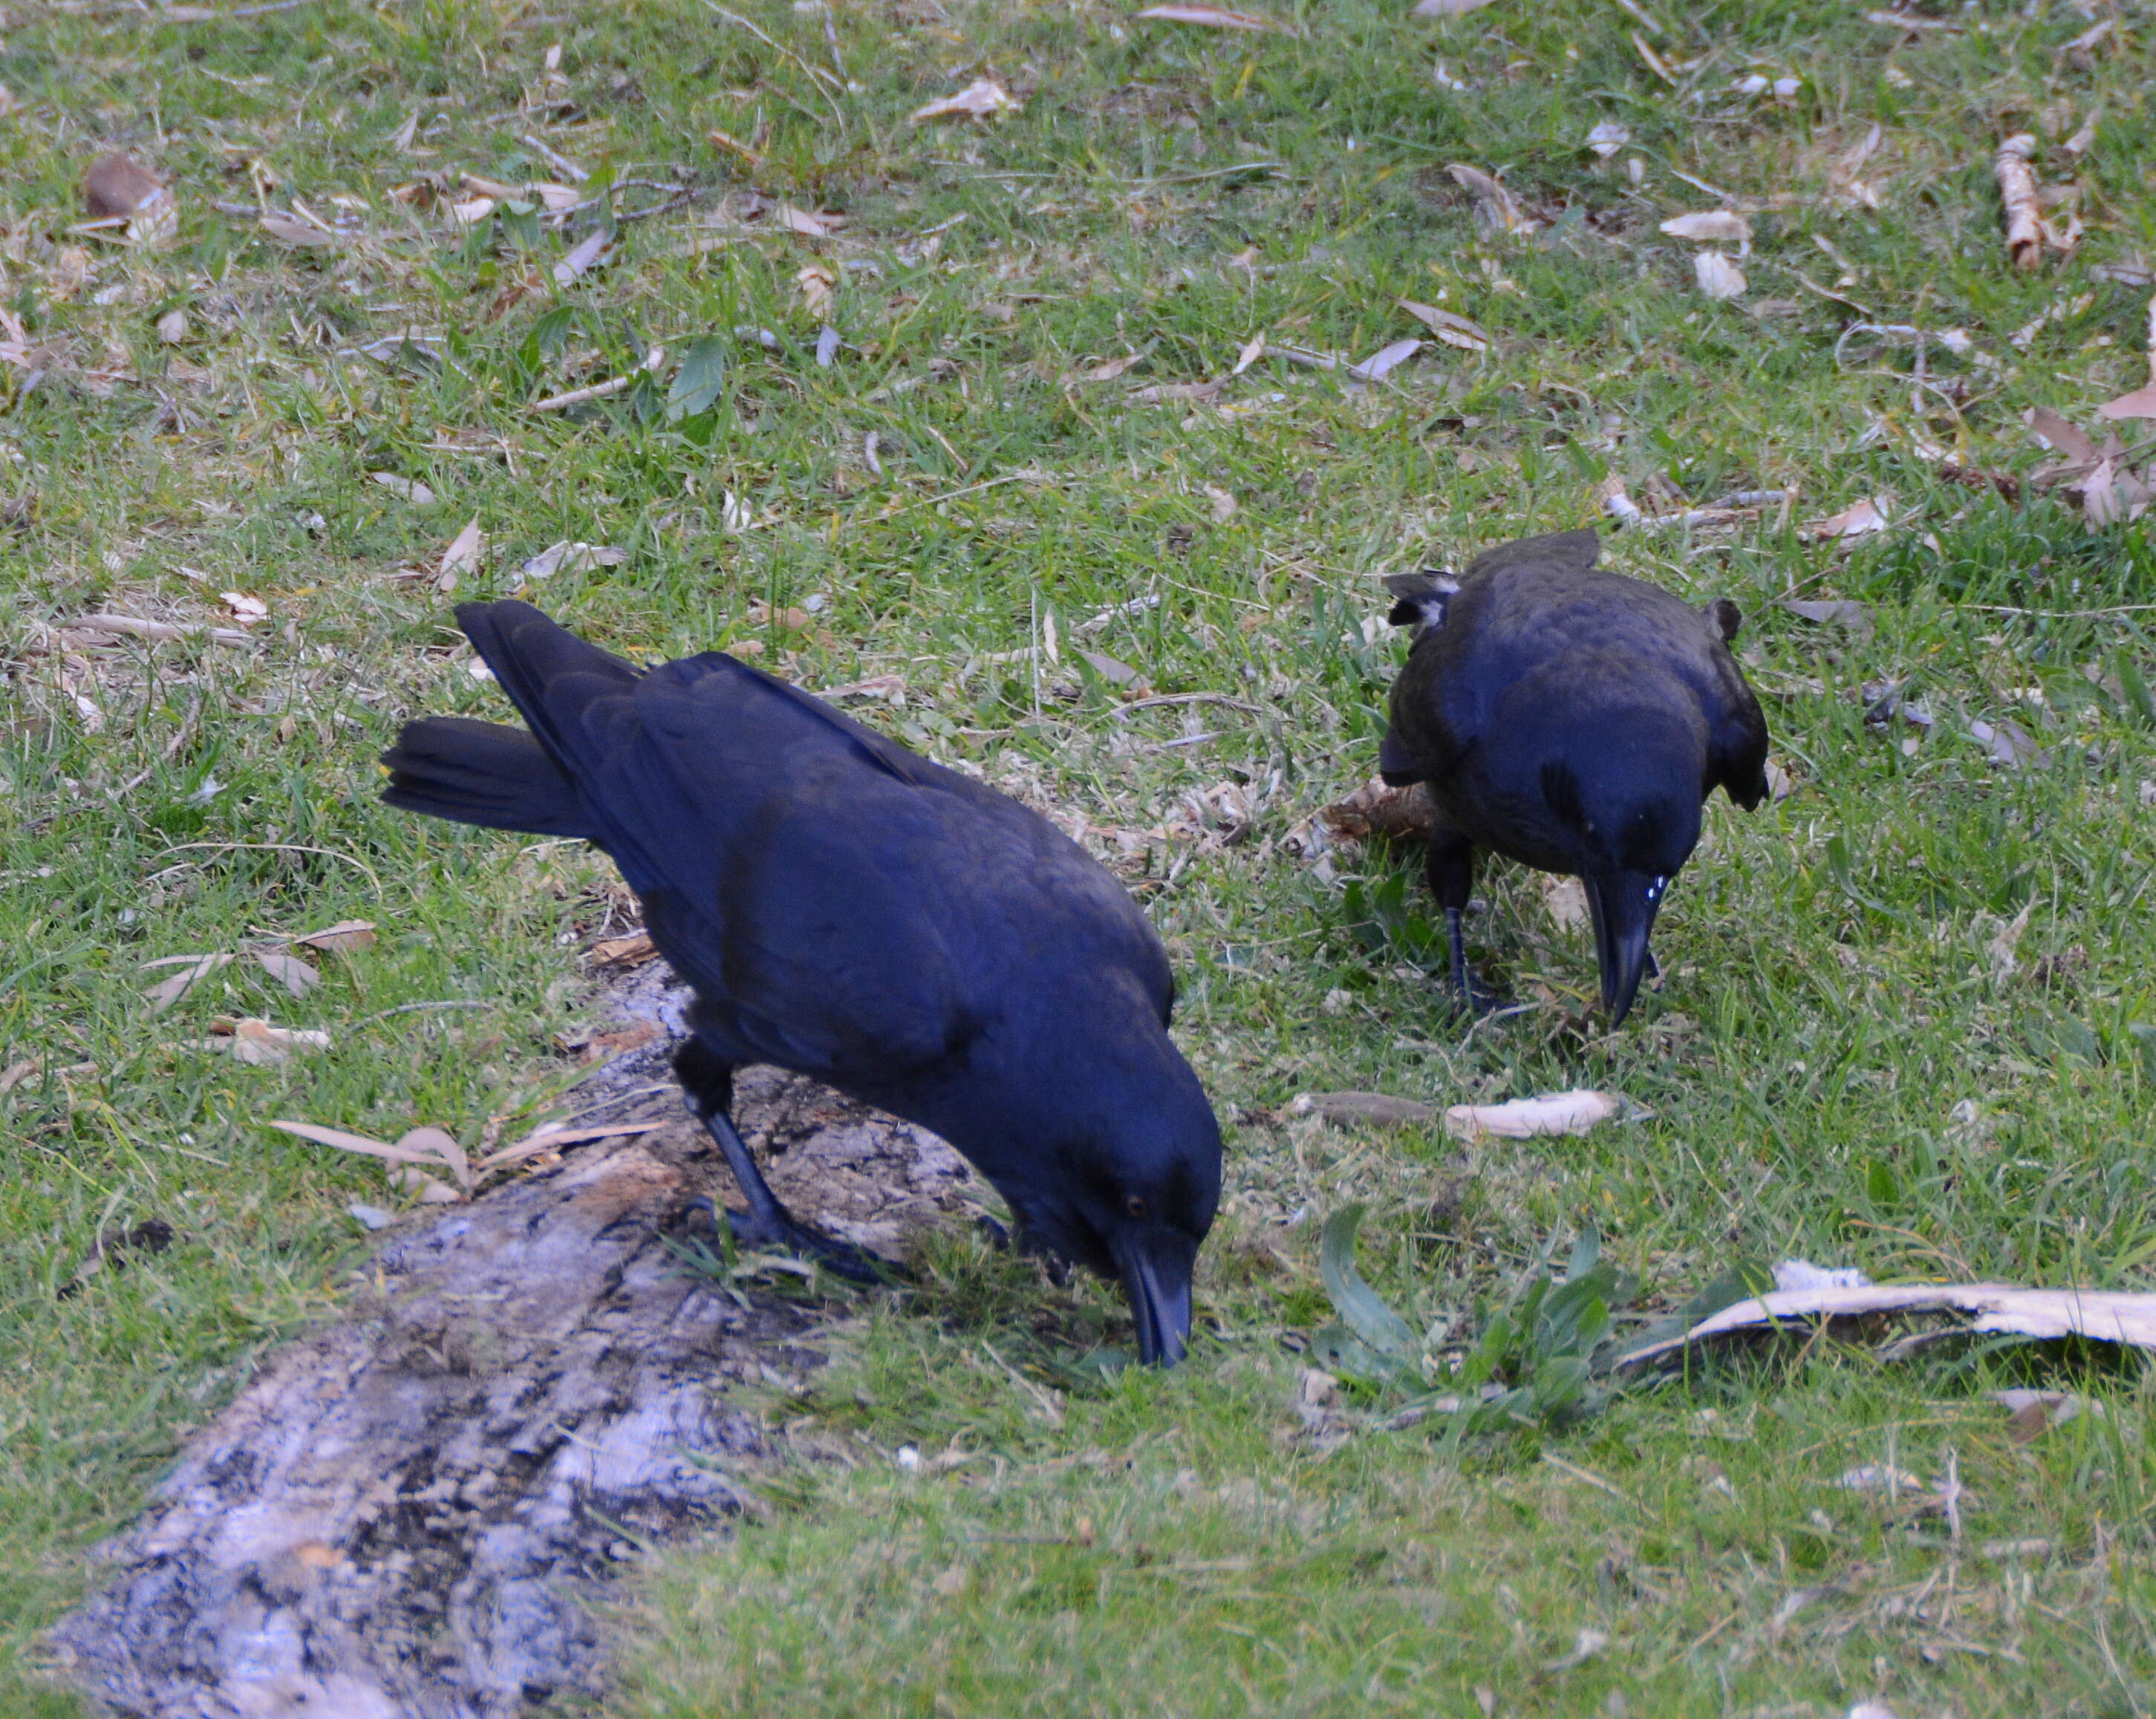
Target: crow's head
(1127, 1184)
(1628, 797)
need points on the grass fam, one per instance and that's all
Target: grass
(1843, 1064)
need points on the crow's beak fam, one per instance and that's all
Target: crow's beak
(1623, 906)
(1155, 1268)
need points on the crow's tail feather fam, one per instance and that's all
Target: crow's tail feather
(482, 773)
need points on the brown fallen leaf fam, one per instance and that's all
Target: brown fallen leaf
(980, 100)
(411, 488)
(2018, 195)
(1109, 369)
(117, 186)
(583, 257)
(1384, 360)
(250, 1039)
(1573, 1112)
(808, 222)
(1832, 611)
(1860, 520)
(2007, 743)
(2032, 1413)
(2140, 404)
(341, 938)
(16, 1073)
(466, 554)
(1380, 1110)
(631, 949)
(1224, 504)
(1378, 809)
(163, 995)
(1455, 330)
(567, 558)
(1115, 673)
(1564, 899)
(552, 1136)
(2056, 433)
(1214, 18)
(727, 140)
(1710, 224)
(1718, 277)
(1497, 210)
(2103, 1316)
(247, 611)
(294, 975)
(818, 286)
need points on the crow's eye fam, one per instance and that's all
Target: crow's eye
(1135, 1206)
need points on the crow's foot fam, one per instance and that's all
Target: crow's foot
(779, 1231)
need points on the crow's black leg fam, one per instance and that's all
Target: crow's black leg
(709, 1084)
(1654, 967)
(1452, 881)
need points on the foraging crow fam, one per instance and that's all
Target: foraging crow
(1573, 721)
(844, 907)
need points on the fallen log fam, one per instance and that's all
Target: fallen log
(405, 1515)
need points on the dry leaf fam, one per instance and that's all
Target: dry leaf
(1215, 17)
(1573, 1112)
(411, 488)
(253, 1040)
(2097, 491)
(286, 230)
(1606, 139)
(1115, 673)
(470, 212)
(978, 100)
(117, 186)
(2140, 404)
(1378, 809)
(2054, 433)
(1711, 224)
(247, 611)
(1374, 367)
(1224, 504)
(1837, 611)
(296, 975)
(1497, 210)
(1110, 369)
(1564, 899)
(2032, 1413)
(1718, 277)
(583, 258)
(429, 1190)
(162, 996)
(552, 1136)
(15, 1074)
(1447, 8)
(341, 938)
(1253, 349)
(466, 554)
(629, 950)
(1860, 521)
(1380, 1110)
(173, 328)
(726, 141)
(2017, 193)
(2007, 743)
(1455, 330)
(808, 224)
(567, 558)
(2105, 1315)
(817, 284)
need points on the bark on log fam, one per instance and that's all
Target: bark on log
(402, 1517)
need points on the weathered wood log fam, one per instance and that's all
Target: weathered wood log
(402, 1517)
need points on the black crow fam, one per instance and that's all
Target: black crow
(1575, 721)
(844, 907)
